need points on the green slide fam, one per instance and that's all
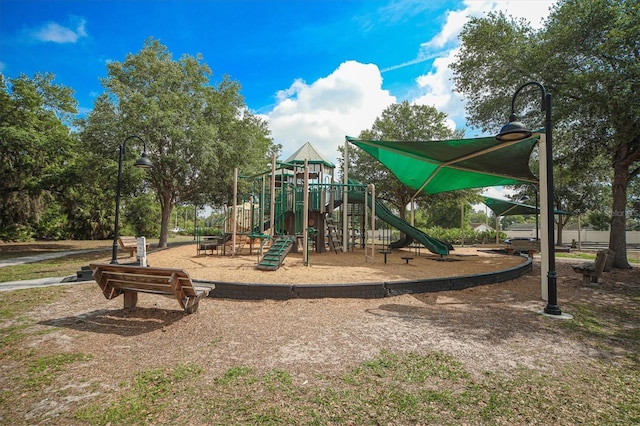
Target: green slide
(432, 244)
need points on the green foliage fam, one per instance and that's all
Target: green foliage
(53, 224)
(634, 206)
(90, 201)
(599, 221)
(206, 230)
(445, 210)
(232, 375)
(195, 132)
(142, 216)
(16, 232)
(513, 219)
(35, 148)
(454, 236)
(478, 217)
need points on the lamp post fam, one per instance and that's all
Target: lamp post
(142, 162)
(514, 131)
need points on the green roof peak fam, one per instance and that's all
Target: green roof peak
(309, 153)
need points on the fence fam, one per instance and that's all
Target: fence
(586, 236)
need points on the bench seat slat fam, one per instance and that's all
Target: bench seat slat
(117, 279)
(159, 288)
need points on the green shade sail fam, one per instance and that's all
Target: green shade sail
(448, 165)
(506, 207)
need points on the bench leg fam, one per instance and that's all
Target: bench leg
(191, 309)
(130, 299)
(587, 278)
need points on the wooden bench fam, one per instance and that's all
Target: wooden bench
(591, 271)
(115, 280)
(523, 246)
(129, 244)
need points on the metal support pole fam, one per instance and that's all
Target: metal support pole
(514, 131)
(552, 307)
(142, 162)
(116, 232)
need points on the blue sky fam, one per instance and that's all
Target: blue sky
(315, 70)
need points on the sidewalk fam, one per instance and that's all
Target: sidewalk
(44, 256)
(40, 282)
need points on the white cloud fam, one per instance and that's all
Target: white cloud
(351, 98)
(436, 88)
(325, 111)
(437, 91)
(448, 36)
(500, 192)
(56, 33)
(534, 11)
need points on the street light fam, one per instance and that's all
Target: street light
(514, 131)
(142, 162)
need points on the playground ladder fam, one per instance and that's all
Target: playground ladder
(335, 242)
(276, 254)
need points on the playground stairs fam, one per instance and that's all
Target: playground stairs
(335, 242)
(274, 257)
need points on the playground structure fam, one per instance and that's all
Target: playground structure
(297, 205)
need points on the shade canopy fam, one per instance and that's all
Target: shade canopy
(439, 166)
(507, 208)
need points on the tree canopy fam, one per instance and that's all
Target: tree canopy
(35, 148)
(588, 56)
(195, 132)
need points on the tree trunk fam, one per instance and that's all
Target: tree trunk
(618, 236)
(561, 223)
(166, 206)
(560, 226)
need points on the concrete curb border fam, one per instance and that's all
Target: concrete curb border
(369, 290)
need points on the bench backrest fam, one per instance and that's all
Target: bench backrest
(601, 260)
(126, 242)
(116, 279)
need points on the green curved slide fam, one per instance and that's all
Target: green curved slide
(383, 213)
